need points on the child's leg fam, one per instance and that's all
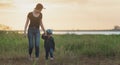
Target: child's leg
(46, 53)
(51, 52)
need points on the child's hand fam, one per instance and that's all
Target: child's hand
(45, 33)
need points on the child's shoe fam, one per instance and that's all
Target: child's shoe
(51, 59)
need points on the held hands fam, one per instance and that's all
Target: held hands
(45, 33)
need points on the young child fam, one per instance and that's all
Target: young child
(49, 44)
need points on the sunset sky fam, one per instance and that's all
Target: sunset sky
(63, 14)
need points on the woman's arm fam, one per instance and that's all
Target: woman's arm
(26, 25)
(42, 26)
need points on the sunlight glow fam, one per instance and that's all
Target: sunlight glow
(63, 14)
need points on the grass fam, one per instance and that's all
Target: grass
(70, 50)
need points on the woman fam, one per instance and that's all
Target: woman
(35, 20)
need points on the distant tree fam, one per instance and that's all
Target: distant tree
(4, 27)
(117, 27)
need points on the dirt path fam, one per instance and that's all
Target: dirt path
(24, 61)
(82, 61)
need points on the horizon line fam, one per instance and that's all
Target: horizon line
(71, 30)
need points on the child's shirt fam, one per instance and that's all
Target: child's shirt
(48, 42)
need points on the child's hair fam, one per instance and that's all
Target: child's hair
(49, 32)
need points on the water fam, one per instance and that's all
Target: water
(106, 32)
(89, 32)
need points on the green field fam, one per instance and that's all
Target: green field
(70, 50)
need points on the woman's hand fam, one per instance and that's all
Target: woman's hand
(25, 33)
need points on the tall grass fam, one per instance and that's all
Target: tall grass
(94, 45)
(69, 48)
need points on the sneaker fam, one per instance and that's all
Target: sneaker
(30, 58)
(37, 59)
(51, 59)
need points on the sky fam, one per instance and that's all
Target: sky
(63, 14)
